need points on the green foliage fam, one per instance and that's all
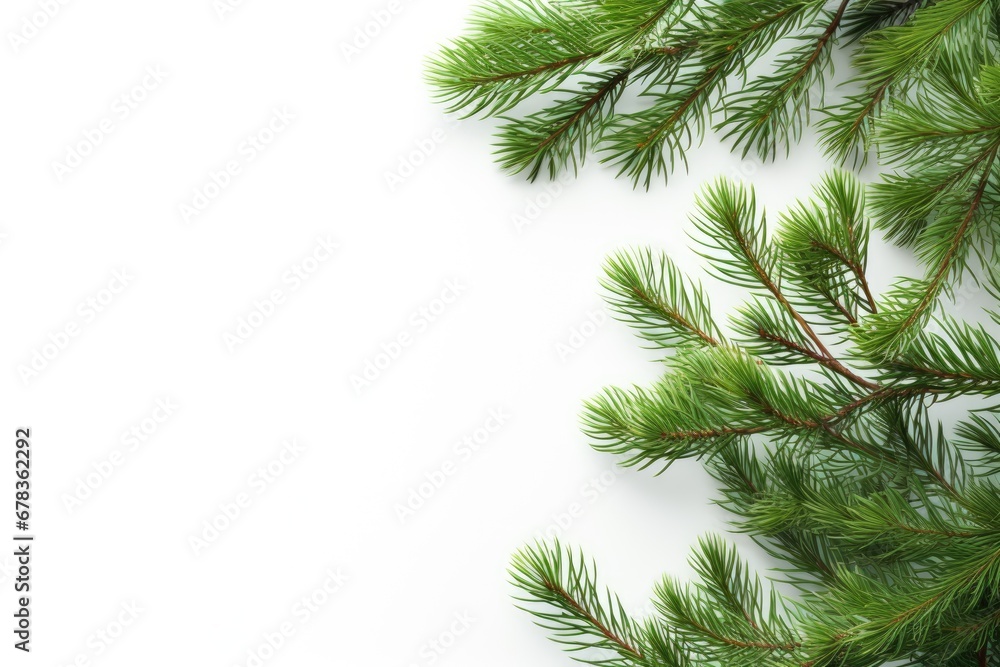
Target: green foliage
(754, 70)
(886, 522)
(929, 102)
(580, 55)
(653, 296)
(941, 198)
(813, 405)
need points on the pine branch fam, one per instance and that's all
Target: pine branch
(897, 615)
(769, 332)
(982, 437)
(772, 111)
(749, 488)
(889, 59)
(632, 25)
(735, 242)
(870, 15)
(652, 295)
(908, 306)
(680, 56)
(688, 61)
(884, 524)
(896, 52)
(647, 143)
(847, 129)
(561, 134)
(884, 521)
(965, 360)
(825, 243)
(723, 616)
(514, 50)
(577, 613)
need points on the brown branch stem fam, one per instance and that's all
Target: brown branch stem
(590, 618)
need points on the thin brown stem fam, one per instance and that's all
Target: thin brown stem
(707, 81)
(673, 50)
(928, 465)
(945, 265)
(593, 620)
(868, 294)
(732, 641)
(858, 270)
(831, 362)
(672, 314)
(854, 266)
(795, 347)
(547, 67)
(843, 311)
(703, 86)
(876, 98)
(704, 434)
(765, 278)
(826, 421)
(820, 44)
(824, 424)
(654, 18)
(916, 609)
(599, 95)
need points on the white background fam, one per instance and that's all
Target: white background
(525, 290)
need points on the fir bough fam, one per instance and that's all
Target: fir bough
(886, 523)
(754, 70)
(814, 407)
(930, 104)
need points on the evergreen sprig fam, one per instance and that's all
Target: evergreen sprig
(814, 405)
(886, 522)
(930, 104)
(754, 70)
